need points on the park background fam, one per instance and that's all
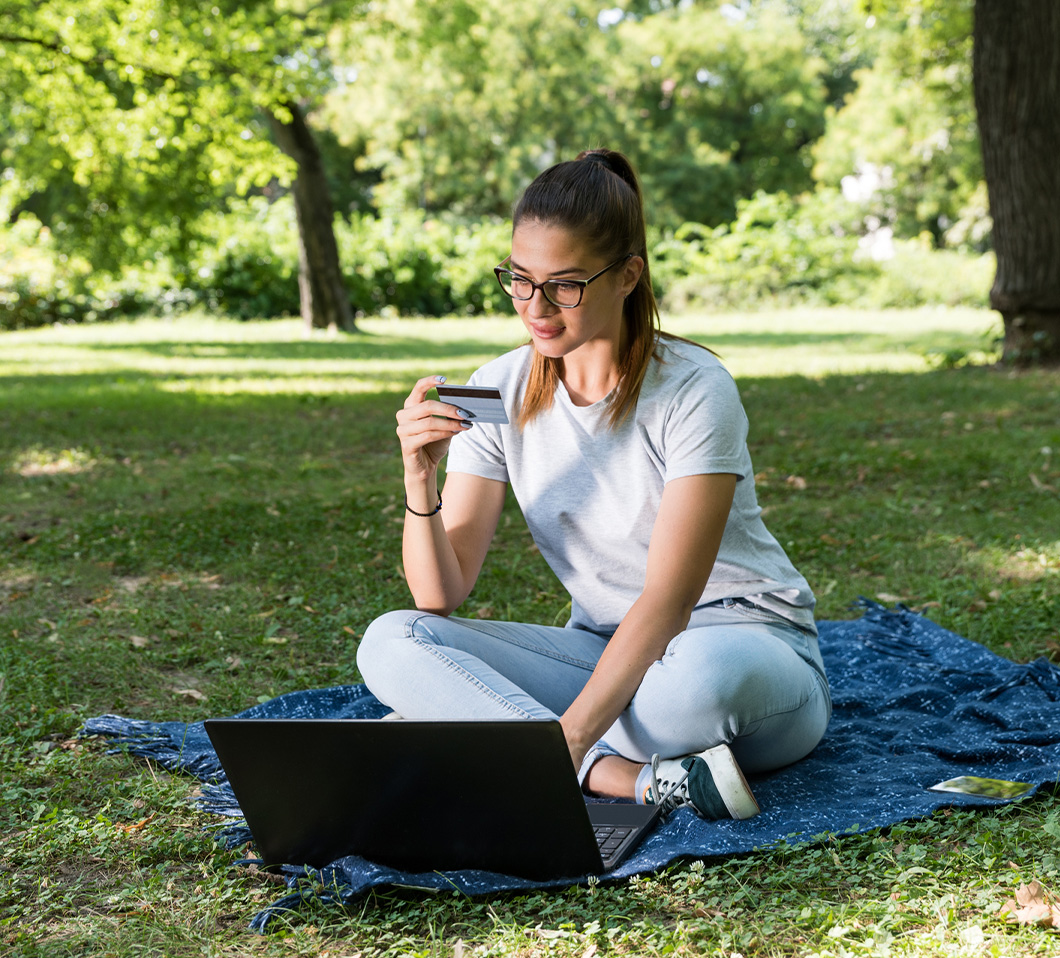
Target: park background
(200, 498)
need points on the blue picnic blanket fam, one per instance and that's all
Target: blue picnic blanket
(914, 704)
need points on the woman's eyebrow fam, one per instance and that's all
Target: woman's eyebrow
(559, 272)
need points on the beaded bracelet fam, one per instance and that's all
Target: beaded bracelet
(424, 515)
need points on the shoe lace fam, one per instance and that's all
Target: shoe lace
(666, 800)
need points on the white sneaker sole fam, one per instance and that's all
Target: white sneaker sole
(731, 784)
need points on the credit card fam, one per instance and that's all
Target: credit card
(481, 403)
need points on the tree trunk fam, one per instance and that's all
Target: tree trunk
(1016, 69)
(324, 300)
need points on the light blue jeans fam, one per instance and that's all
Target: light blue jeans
(738, 674)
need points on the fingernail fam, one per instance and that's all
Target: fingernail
(439, 379)
(466, 424)
(464, 414)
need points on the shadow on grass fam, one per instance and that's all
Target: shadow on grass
(369, 346)
(364, 346)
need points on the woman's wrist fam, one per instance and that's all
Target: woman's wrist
(421, 494)
(577, 743)
(425, 515)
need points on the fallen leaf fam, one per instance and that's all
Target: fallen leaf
(796, 482)
(889, 597)
(138, 641)
(139, 825)
(191, 694)
(1033, 905)
(1038, 484)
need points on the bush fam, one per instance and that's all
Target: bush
(250, 269)
(918, 275)
(781, 251)
(414, 265)
(39, 286)
(778, 251)
(407, 264)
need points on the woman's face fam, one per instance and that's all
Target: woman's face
(543, 252)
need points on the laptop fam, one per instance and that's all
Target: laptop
(501, 796)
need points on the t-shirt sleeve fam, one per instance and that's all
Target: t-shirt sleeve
(480, 450)
(706, 427)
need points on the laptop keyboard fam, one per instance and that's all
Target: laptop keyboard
(610, 839)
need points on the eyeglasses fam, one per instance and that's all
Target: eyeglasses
(565, 293)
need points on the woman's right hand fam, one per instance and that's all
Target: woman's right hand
(425, 429)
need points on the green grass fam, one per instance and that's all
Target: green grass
(196, 515)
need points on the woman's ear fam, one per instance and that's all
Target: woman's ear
(631, 274)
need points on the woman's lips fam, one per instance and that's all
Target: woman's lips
(545, 332)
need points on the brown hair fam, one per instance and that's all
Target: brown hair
(596, 196)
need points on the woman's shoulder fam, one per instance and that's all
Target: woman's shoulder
(680, 361)
(506, 368)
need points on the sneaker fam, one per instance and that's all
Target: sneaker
(710, 782)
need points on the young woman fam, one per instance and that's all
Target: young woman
(691, 651)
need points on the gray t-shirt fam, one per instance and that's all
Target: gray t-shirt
(590, 493)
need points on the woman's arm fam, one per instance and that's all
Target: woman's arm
(684, 544)
(443, 554)
(442, 550)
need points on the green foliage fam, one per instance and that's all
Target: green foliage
(918, 275)
(460, 110)
(134, 116)
(909, 130)
(783, 251)
(249, 266)
(131, 133)
(776, 249)
(40, 286)
(718, 106)
(408, 263)
(459, 105)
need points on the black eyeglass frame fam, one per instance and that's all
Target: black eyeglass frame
(580, 283)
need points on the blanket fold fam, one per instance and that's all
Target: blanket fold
(913, 705)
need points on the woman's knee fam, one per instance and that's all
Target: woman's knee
(379, 651)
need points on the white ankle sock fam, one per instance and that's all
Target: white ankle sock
(643, 781)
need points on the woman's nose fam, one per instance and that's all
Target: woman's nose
(540, 305)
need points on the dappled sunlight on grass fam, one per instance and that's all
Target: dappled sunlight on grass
(40, 461)
(1019, 564)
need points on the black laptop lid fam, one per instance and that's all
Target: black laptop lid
(419, 796)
